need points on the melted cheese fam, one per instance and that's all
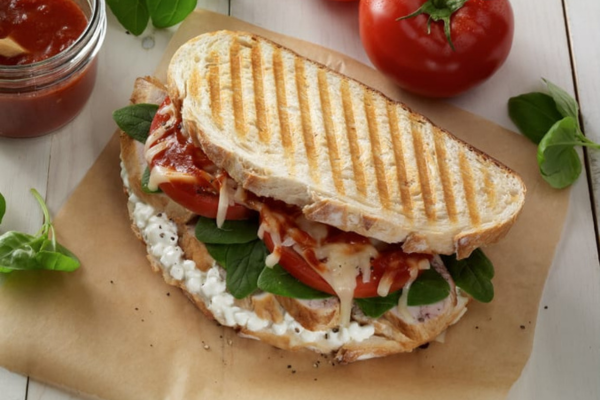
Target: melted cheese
(223, 203)
(160, 175)
(343, 262)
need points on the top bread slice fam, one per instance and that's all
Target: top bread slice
(289, 128)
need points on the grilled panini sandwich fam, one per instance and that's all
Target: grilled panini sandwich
(304, 209)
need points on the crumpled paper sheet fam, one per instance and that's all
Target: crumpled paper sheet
(115, 330)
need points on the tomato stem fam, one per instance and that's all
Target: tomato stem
(438, 10)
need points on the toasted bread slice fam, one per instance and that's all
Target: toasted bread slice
(286, 323)
(289, 128)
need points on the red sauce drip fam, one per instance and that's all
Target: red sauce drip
(43, 27)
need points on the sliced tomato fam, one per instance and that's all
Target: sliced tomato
(202, 196)
(391, 263)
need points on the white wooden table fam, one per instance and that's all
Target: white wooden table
(556, 39)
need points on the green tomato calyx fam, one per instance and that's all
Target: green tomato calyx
(438, 10)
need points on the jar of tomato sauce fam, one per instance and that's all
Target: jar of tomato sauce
(48, 84)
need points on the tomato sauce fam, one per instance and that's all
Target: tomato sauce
(43, 28)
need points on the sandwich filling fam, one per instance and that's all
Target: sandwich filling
(344, 264)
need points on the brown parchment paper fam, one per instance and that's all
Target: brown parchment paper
(115, 330)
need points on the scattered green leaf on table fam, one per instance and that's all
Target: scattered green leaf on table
(165, 13)
(132, 14)
(135, 120)
(534, 114)
(565, 103)
(2, 207)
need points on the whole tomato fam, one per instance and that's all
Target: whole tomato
(444, 48)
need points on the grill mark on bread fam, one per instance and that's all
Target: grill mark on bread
(307, 133)
(490, 189)
(405, 197)
(469, 187)
(214, 85)
(334, 156)
(445, 176)
(423, 172)
(359, 173)
(371, 116)
(284, 123)
(236, 86)
(264, 134)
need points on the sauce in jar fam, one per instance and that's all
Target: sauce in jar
(43, 28)
(48, 86)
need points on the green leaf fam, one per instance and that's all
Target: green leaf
(278, 281)
(58, 259)
(165, 13)
(534, 114)
(375, 307)
(132, 14)
(473, 275)
(135, 120)
(146, 180)
(245, 262)
(242, 231)
(2, 207)
(429, 288)
(218, 252)
(18, 251)
(565, 103)
(558, 161)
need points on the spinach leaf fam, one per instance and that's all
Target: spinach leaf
(165, 13)
(21, 251)
(429, 288)
(565, 103)
(218, 252)
(375, 307)
(473, 275)
(146, 180)
(278, 281)
(2, 207)
(135, 120)
(534, 114)
(244, 262)
(132, 14)
(558, 161)
(242, 231)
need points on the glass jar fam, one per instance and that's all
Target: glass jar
(38, 98)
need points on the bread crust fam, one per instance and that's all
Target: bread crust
(391, 336)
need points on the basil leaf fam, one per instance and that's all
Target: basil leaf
(2, 207)
(242, 231)
(145, 180)
(132, 14)
(429, 288)
(534, 114)
(565, 103)
(165, 13)
(218, 252)
(244, 262)
(18, 251)
(135, 120)
(375, 307)
(278, 281)
(56, 259)
(473, 275)
(558, 161)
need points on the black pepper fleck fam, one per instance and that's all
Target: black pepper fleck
(111, 282)
(476, 327)
(168, 293)
(289, 366)
(162, 235)
(293, 371)
(545, 307)
(522, 326)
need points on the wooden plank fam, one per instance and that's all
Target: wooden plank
(565, 357)
(12, 386)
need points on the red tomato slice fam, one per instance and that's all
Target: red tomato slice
(200, 197)
(391, 262)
